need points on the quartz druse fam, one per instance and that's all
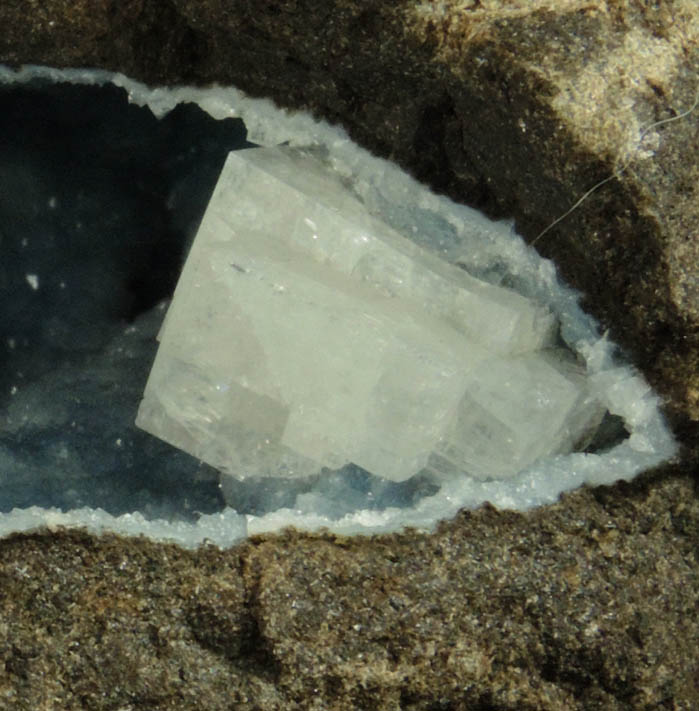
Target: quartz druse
(305, 333)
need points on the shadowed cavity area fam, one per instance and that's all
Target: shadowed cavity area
(98, 203)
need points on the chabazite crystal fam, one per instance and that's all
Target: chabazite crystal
(305, 333)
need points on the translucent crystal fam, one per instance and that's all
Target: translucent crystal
(305, 333)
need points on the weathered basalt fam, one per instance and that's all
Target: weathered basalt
(516, 108)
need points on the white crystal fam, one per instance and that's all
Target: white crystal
(305, 333)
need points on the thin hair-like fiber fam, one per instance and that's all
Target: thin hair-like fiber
(619, 170)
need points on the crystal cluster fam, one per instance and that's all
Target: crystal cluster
(306, 333)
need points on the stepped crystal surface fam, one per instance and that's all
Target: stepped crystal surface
(305, 334)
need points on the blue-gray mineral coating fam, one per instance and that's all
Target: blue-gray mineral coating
(98, 201)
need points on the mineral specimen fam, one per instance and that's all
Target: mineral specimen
(74, 375)
(305, 333)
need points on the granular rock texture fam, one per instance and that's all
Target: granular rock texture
(588, 604)
(518, 108)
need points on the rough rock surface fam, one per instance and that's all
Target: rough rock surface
(515, 107)
(589, 604)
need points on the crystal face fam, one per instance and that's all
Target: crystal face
(305, 334)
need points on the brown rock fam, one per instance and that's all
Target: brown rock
(515, 107)
(590, 603)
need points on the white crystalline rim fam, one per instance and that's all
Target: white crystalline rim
(223, 529)
(622, 389)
